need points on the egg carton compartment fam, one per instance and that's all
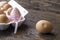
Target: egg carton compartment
(4, 26)
(19, 22)
(23, 11)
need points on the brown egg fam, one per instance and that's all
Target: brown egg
(3, 3)
(1, 12)
(9, 10)
(44, 26)
(5, 7)
(3, 18)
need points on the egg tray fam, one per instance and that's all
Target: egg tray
(23, 11)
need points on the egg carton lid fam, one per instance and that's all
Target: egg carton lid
(22, 10)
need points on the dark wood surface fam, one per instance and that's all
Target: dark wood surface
(38, 10)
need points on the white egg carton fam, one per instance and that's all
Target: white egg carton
(23, 12)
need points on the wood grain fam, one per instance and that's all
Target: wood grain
(38, 10)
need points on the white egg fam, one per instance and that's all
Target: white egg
(44, 26)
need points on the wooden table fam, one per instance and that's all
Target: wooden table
(38, 10)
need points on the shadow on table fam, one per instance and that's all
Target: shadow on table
(10, 30)
(48, 36)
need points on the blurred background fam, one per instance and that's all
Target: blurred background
(38, 10)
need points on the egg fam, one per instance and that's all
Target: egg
(3, 18)
(44, 26)
(3, 3)
(9, 10)
(2, 12)
(5, 7)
